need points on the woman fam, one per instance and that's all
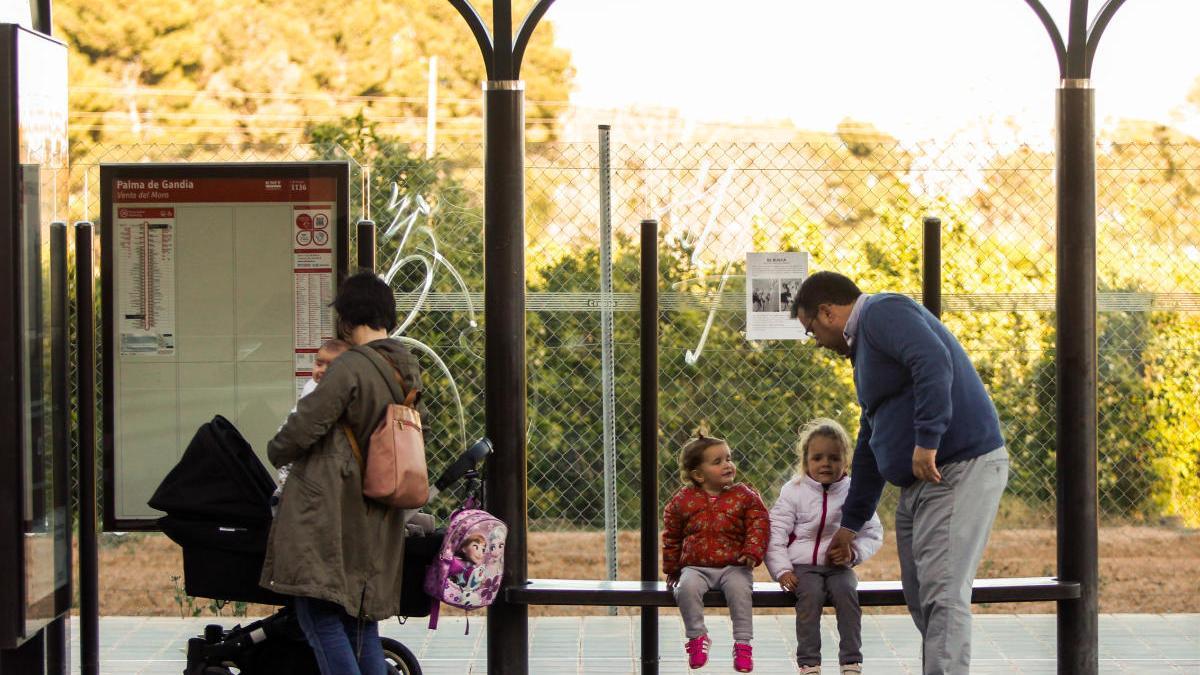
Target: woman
(339, 553)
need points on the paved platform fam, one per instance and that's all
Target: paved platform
(1003, 643)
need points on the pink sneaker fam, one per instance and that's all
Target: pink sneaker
(743, 658)
(697, 650)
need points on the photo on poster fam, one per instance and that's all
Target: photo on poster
(788, 288)
(772, 282)
(765, 295)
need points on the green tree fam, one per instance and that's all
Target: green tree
(1147, 186)
(244, 72)
(757, 393)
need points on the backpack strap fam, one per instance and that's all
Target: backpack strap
(353, 444)
(394, 379)
(435, 609)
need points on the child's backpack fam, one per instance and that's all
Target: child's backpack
(468, 569)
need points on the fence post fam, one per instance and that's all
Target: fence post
(366, 245)
(607, 384)
(58, 647)
(649, 460)
(89, 559)
(931, 266)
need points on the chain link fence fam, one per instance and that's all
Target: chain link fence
(856, 205)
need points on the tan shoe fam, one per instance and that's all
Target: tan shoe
(810, 670)
(851, 668)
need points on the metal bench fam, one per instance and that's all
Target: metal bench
(768, 594)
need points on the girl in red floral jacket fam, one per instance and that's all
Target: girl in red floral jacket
(715, 532)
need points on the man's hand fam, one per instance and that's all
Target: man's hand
(924, 465)
(841, 558)
(840, 551)
(746, 560)
(672, 581)
(788, 581)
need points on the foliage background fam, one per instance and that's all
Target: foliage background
(236, 80)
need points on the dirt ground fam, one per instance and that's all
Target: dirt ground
(1142, 570)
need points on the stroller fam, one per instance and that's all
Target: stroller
(217, 505)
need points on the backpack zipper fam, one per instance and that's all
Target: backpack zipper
(821, 527)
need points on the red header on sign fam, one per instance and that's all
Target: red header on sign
(145, 213)
(207, 190)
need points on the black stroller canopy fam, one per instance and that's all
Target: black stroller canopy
(218, 478)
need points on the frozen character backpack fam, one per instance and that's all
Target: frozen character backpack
(470, 565)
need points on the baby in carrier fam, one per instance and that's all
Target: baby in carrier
(330, 350)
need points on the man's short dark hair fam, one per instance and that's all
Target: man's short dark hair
(363, 299)
(823, 288)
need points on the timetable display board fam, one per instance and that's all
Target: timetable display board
(216, 286)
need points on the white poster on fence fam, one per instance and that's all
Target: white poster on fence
(772, 281)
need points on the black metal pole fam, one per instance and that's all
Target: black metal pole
(649, 460)
(43, 19)
(89, 560)
(58, 647)
(931, 266)
(504, 321)
(1076, 375)
(58, 639)
(1075, 338)
(366, 245)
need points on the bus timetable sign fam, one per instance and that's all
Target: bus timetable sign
(216, 283)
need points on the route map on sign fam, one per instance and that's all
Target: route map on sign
(146, 310)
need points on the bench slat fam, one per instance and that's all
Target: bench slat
(768, 594)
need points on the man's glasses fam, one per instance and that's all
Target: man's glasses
(807, 330)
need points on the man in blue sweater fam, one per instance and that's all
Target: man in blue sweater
(927, 426)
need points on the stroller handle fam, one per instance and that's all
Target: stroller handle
(467, 461)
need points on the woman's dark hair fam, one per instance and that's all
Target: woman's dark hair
(692, 456)
(363, 299)
(823, 288)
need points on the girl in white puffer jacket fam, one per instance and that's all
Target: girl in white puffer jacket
(803, 520)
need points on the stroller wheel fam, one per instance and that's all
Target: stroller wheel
(400, 660)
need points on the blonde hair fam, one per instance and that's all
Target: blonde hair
(828, 428)
(692, 456)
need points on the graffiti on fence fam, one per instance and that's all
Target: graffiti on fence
(407, 211)
(714, 198)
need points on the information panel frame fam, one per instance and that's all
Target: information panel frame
(160, 191)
